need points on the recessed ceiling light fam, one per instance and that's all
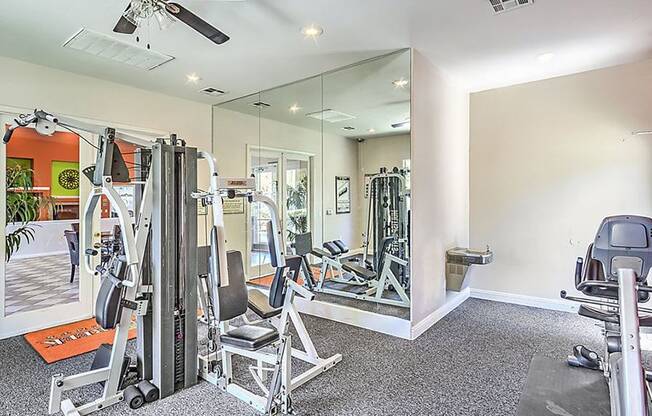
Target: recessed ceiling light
(312, 31)
(400, 83)
(371, 131)
(294, 108)
(545, 57)
(193, 78)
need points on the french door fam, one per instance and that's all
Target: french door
(36, 287)
(285, 177)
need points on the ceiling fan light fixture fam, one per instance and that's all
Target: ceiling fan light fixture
(163, 19)
(312, 31)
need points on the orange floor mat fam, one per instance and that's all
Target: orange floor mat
(266, 281)
(65, 341)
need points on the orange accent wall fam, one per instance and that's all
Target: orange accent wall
(26, 143)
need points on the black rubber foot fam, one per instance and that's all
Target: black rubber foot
(148, 390)
(134, 397)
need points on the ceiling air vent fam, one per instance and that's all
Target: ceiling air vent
(261, 104)
(501, 6)
(331, 116)
(214, 92)
(348, 128)
(105, 46)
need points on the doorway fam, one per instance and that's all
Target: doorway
(286, 178)
(43, 197)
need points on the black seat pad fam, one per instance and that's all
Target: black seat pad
(359, 270)
(319, 252)
(259, 304)
(250, 337)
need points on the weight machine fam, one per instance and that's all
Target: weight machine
(225, 297)
(388, 216)
(150, 280)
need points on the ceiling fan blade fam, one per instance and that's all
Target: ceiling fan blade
(196, 22)
(124, 25)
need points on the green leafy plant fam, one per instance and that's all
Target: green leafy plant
(296, 206)
(22, 208)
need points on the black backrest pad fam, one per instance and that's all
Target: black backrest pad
(341, 245)
(303, 244)
(276, 290)
(203, 254)
(231, 301)
(332, 248)
(271, 243)
(107, 304)
(624, 242)
(387, 241)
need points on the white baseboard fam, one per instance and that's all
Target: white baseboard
(385, 324)
(453, 300)
(13, 332)
(524, 300)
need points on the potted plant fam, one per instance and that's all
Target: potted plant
(21, 210)
(296, 205)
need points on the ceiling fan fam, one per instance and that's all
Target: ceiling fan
(165, 13)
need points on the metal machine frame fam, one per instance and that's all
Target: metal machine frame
(620, 286)
(387, 214)
(157, 254)
(280, 356)
(376, 287)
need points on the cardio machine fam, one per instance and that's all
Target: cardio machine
(614, 275)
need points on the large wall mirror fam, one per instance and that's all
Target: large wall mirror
(333, 151)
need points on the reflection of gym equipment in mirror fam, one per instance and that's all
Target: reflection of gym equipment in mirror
(382, 275)
(224, 296)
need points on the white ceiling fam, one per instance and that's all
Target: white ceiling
(266, 49)
(364, 91)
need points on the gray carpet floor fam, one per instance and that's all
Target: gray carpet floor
(472, 362)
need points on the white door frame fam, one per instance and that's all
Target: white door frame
(23, 322)
(251, 272)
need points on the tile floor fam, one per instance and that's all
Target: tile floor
(39, 282)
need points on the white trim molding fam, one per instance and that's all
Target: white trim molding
(525, 300)
(453, 300)
(385, 324)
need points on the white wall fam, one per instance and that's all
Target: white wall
(388, 152)
(29, 86)
(341, 159)
(32, 86)
(549, 160)
(26, 85)
(440, 178)
(233, 132)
